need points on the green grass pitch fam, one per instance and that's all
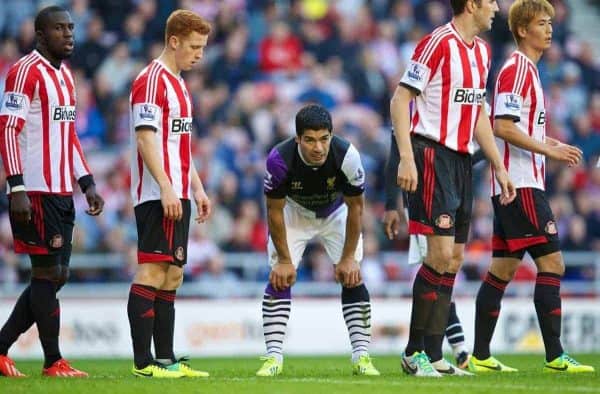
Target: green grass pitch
(307, 375)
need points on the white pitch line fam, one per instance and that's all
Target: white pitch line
(462, 382)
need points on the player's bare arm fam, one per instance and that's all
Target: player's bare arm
(203, 203)
(554, 149)
(146, 145)
(283, 274)
(20, 206)
(485, 138)
(400, 113)
(347, 271)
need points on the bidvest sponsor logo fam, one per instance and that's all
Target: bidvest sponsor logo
(181, 125)
(468, 96)
(63, 113)
(541, 118)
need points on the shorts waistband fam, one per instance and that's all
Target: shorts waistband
(428, 141)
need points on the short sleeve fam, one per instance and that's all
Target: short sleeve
(146, 103)
(424, 62)
(508, 102)
(354, 173)
(275, 175)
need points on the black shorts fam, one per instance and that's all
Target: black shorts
(50, 230)
(443, 201)
(161, 240)
(525, 225)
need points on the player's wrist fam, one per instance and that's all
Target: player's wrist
(85, 182)
(15, 181)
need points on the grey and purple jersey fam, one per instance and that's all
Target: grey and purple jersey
(318, 189)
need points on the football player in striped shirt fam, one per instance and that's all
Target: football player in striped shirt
(446, 78)
(527, 224)
(163, 181)
(41, 155)
(417, 249)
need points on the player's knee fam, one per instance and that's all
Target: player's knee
(150, 275)
(552, 263)
(173, 280)
(63, 277)
(440, 259)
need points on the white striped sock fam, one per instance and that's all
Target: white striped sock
(276, 313)
(357, 316)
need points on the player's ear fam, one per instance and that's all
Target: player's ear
(173, 42)
(40, 37)
(521, 31)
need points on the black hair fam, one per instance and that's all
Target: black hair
(42, 18)
(312, 117)
(458, 6)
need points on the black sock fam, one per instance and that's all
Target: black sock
(140, 310)
(546, 298)
(454, 331)
(164, 324)
(487, 309)
(425, 293)
(18, 322)
(438, 319)
(46, 312)
(356, 307)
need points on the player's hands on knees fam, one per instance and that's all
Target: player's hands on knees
(172, 209)
(283, 275)
(391, 223)
(204, 206)
(95, 202)
(569, 154)
(347, 272)
(508, 189)
(20, 207)
(407, 177)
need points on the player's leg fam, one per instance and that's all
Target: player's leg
(61, 367)
(276, 305)
(356, 303)
(546, 296)
(455, 336)
(438, 320)
(487, 309)
(154, 259)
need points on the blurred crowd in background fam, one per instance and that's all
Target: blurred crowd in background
(264, 60)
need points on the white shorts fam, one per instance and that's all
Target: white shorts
(417, 248)
(301, 226)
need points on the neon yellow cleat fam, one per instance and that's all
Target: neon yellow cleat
(566, 364)
(271, 367)
(490, 364)
(182, 366)
(156, 371)
(364, 366)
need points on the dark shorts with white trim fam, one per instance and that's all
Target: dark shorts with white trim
(443, 201)
(161, 240)
(525, 225)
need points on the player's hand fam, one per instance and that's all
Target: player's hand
(407, 177)
(172, 209)
(204, 206)
(20, 207)
(283, 275)
(95, 202)
(391, 223)
(508, 189)
(569, 154)
(347, 272)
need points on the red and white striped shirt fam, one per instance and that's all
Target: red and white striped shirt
(37, 126)
(450, 76)
(160, 100)
(518, 95)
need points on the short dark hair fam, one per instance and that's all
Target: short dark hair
(42, 17)
(458, 6)
(312, 117)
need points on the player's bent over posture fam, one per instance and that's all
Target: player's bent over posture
(314, 186)
(527, 224)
